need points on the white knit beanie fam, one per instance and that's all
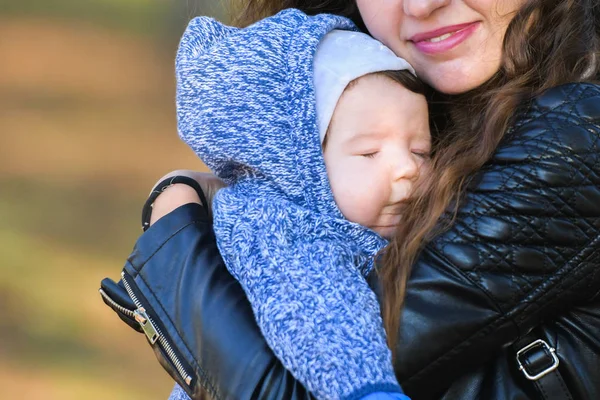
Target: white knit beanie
(341, 57)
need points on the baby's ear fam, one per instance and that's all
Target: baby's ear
(200, 35)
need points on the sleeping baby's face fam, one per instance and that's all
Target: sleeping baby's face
(377, 144)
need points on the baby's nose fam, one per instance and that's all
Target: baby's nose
(406, 168)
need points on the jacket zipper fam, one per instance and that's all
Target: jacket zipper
(153, 333)
(121, 309)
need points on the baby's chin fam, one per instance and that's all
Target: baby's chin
(387, 232)
(387, 225)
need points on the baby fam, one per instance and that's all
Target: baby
(319, 132)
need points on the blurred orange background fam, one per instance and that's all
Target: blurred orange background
(87, 125)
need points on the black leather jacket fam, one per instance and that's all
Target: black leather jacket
(522, 262)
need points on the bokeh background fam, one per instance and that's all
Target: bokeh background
(87, 125)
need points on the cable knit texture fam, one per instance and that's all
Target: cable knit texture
(246, 106)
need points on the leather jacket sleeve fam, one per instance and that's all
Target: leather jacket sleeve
(523, 254)
(204, 313)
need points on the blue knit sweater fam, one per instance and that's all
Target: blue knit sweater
(246, 106)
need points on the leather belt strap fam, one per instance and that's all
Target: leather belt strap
(539, 363)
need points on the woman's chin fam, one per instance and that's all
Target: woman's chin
(457, 86)
(454, 81)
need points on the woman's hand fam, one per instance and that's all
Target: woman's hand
(179, 194)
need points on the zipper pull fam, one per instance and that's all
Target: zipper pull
(144, 320)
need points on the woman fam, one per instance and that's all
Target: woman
(502, 301)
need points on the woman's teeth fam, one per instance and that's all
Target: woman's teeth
(440, 38)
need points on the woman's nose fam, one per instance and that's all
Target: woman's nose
(423, 8)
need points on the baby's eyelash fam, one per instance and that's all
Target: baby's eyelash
(424, 155)
(369, 155)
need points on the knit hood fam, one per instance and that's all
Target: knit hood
(246, 104)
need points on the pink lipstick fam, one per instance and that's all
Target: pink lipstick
(443, 39)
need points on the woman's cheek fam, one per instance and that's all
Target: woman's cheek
(383, 19)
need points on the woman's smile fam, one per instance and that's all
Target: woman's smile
(443, 39)
(454, 46)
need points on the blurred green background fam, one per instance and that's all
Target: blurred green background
(87, 125)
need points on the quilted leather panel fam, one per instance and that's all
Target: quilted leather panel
(528, 236)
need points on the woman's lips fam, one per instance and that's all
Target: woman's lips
(443, 39)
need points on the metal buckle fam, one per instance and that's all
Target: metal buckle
(547, 350)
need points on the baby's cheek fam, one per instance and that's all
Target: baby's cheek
(358, 202)
(357, 210)
(357, 189)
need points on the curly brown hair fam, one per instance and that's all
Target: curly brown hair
(246, 12)
(548, 43)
